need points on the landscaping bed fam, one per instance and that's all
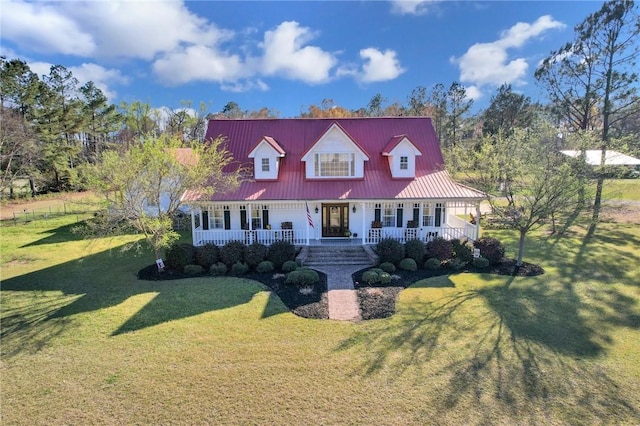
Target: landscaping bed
(308, 302)
(376, 301)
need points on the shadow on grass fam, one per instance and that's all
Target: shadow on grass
(527, 349)
(61, 234)
(104, 280)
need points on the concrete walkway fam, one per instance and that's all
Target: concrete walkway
(342, 298)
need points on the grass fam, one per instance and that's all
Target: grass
(84, 342)
(623, 189)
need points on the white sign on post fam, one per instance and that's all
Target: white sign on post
(476, 253)
(160, 264)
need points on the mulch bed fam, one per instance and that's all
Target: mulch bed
(378, 301)
(310, 302)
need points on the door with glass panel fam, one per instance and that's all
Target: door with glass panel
(335, 220)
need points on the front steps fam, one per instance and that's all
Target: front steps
(337, 255)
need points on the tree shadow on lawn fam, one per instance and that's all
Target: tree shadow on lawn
(517, 349)
(61, 234)
(31, 318)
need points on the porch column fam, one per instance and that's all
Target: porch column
(477, 221)
(305, 207)
(364, 221)
(250, 216)
(193, 226)
(420, 224)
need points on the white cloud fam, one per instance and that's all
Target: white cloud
(101, 77)
(142, 29)
(473, 93)
(379, 66)
(137, 29)
(198, 63)
(285, 54)
(412, 7)
(489, 64)
(43, 28)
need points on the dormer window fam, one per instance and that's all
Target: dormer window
(266, 156)
(335, 155)
(401, 154)
(404, 162)
(334, 165)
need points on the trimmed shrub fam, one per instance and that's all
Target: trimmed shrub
(193, 269)
(462, 250)
(390, 250)
(385, 278)
(415, 249)
(239, 268)
(491, 249)
(432, 264)
(388, 267)
(279, 252)
(302, 277)
(218, 269)
(254, 254)
(180, 255)
(289, 266)
(370, 277)
(440, 248)
(264, 266)
(408, 264)
(207, 255)
(481, 262)
(232, 253)
(456, 264)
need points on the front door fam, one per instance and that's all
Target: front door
(335, 220)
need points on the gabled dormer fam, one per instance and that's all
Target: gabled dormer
(335, 155)
(401, 154)
(266, 158)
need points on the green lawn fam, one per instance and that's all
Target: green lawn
(85, 342)
(623, 189)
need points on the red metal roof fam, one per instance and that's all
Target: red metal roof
(296, 136)
(272, 143)
(394, 142)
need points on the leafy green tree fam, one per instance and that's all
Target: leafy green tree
(59, 119)
(142, 186)
(529, 183)
(507, 111)
(593, 79)
(101, 120)
(458, 106)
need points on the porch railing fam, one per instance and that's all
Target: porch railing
(265, 236)
(373, 236)
(299, 237)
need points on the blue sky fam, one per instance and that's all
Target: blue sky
(288, 55)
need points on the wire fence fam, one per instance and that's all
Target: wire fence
(27, 215)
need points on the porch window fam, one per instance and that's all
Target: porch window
(427, 215)
(404, 162)
(265, 164)
(334, 165)
(388, 216)
(256, 218)
(216, 219)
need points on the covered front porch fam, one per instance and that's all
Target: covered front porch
(320, 222)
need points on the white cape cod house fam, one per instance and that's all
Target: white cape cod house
(327, 179)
